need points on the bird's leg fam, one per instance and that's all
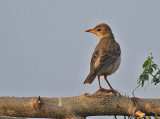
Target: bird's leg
(105, 77)
(98, 76)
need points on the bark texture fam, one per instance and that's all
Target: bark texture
(79, 107)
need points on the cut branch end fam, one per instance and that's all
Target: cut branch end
(140, 114)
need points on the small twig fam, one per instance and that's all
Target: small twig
(153, 75)
(147, 85)
(135, 90)
(156, 65)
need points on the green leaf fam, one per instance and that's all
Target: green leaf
(155, 80)
(158, 72)
(154, 66)
(145, 64)
(150, 70)
(151, 56)
(142, 83)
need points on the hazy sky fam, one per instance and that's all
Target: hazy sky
(44, 50)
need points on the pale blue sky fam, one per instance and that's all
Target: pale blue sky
(44, 50)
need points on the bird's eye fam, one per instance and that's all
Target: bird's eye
(98, 29)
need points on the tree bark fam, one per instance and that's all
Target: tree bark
(6, 117)
(79, 107)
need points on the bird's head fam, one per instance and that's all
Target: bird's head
(101, 30)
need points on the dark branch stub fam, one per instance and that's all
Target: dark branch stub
(37, 103)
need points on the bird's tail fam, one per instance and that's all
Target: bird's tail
(90, 78)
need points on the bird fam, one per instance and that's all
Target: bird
(106, 57)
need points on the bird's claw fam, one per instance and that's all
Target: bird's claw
(108, 90)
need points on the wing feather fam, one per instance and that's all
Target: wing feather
(107, 57)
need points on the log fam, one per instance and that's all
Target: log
(79, 107)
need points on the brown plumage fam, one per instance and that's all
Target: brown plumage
(106, 57)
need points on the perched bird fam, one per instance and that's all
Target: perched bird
(106, 57)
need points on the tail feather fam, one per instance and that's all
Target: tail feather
(90, 78)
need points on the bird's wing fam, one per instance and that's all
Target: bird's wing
(108, 56)
(95, 56)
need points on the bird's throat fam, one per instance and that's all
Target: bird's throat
(100, 37)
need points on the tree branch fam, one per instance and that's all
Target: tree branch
(79, 107)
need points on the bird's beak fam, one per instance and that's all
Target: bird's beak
(88, 30)
(91, 31)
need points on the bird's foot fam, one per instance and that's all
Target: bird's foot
(108, 91)
(102, 90)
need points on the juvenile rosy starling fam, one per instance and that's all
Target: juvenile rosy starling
(106, 57)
